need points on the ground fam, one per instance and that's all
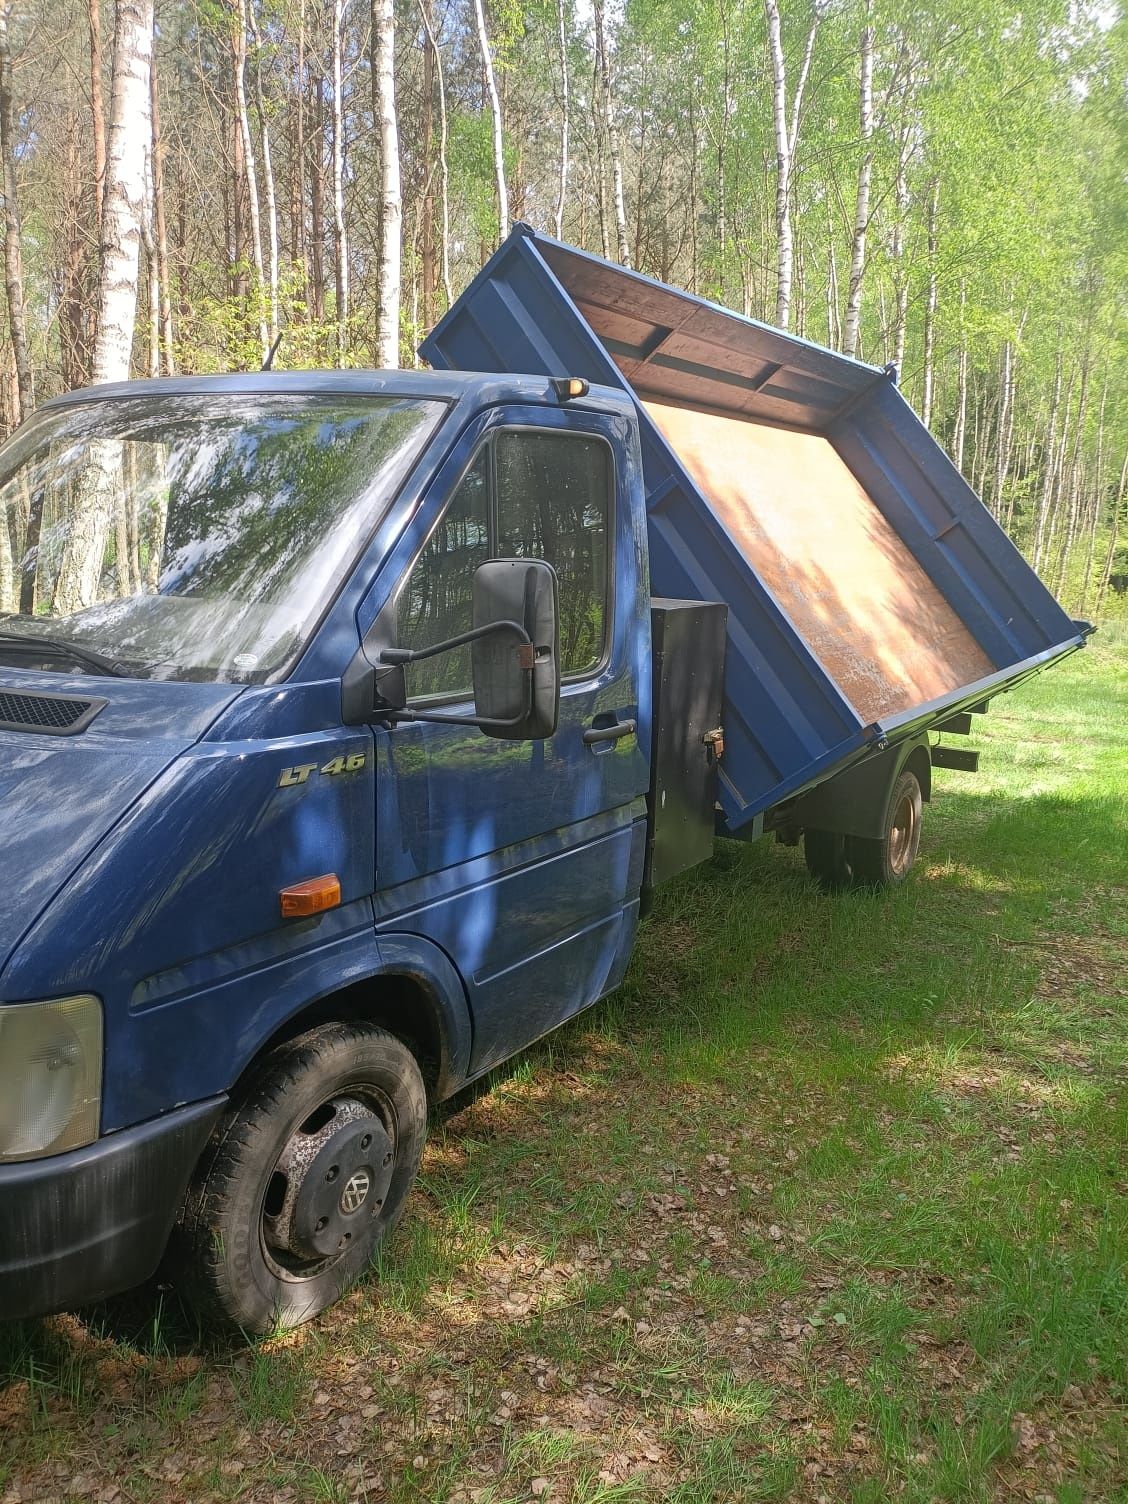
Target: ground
(825, 1204)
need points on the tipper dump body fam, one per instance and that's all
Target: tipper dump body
(870, 593)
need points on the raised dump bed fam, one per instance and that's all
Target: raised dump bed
(870, 592)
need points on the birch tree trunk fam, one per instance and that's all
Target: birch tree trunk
(124, 199)
(268, 174)
(498, 128)
(897, 250)
(340, 238)
(562, 191)
(862, 205)
(930, 306)
(614, 141)
(1048, 468)
(13, 232)
(786, 138)
(961, 389)
(129, 134)
(391, 215)
(250, 171)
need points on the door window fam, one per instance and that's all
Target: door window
(437, 601)
(553, 496)
(529, 494)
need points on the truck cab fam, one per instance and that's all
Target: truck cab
(272, 882)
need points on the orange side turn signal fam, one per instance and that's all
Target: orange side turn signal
(313, 896)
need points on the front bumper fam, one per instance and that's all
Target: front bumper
(80, 1226)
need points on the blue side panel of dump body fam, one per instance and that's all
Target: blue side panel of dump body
(542, 307)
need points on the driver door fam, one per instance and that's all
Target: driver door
(522, 860)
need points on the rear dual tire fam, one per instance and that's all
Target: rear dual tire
(839, 861)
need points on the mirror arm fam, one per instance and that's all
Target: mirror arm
(413, 655)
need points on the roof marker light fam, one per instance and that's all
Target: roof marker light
(570, 386)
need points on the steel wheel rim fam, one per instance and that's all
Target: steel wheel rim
(902, 835)
(284, 1264)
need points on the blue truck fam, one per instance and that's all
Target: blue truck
(348, 720)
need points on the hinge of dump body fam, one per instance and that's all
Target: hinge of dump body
(715, 741)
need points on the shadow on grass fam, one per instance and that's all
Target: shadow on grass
(742, 955)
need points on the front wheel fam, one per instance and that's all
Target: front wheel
(303, 1178)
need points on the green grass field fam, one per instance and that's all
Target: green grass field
(825, 1204)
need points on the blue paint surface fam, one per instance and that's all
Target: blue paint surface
(500, 878)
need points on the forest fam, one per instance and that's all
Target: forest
(940, 186)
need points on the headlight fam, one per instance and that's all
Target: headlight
(50, 1076)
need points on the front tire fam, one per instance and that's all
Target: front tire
(303, 1179)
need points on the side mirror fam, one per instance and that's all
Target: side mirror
(516, 682)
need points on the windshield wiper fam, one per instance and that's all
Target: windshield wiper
(53, 647)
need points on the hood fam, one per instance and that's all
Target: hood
(60, 794)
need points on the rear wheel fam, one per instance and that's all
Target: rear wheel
(870, 862)
(303, 1179)
(887, 860)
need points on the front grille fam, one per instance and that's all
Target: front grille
(52, 715)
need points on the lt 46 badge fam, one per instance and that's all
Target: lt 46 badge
(290, 777)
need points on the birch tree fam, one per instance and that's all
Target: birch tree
(852, 320)
(340, 237)
(123, 209)
(786, 119)
(384, 110)
(565, 121)
(614, 141)
(498, 125)
(250, 169)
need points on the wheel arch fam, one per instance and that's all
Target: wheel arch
(416, 995)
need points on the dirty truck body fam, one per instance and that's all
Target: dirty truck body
(339, 753)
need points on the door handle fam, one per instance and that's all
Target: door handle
(611, 733)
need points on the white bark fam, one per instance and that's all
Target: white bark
(786, 128)
(562, 39)
(268, 174)
(930, 306)
(614, 142)
(862, 206)
(250, 172)
(340, 240)
(498, 129)
(124, 198)
(124, 206)
(391, 216)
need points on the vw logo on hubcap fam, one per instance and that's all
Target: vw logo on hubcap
(354, 1193)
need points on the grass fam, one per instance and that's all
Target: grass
(826, 1203)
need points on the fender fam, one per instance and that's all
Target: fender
(855, 802)
(209, 1036)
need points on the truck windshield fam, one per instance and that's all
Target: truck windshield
(191, 536)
